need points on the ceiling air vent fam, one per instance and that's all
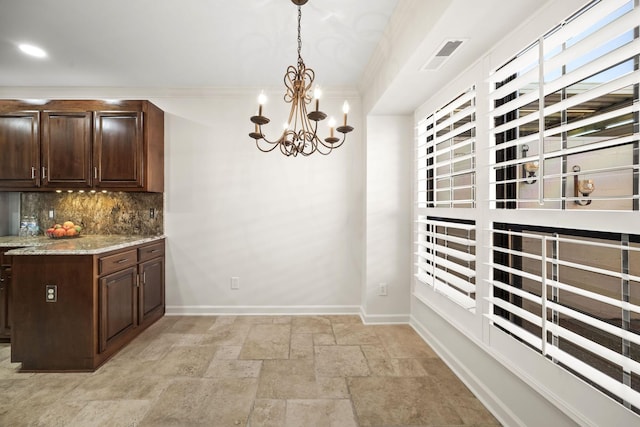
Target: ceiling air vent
(443, 53)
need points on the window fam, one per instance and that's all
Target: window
(446, 258)
(446, 155)
(574, 296)
(565, 115)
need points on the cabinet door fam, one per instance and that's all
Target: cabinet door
(5, 304)
(118, 150)
(151, 289)
(19, 150)
(66, 149)
(118, 306)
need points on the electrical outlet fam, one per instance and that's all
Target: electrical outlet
(51, 213)
(152, 213)
(51, 293)
(235, 283)
(382, 289)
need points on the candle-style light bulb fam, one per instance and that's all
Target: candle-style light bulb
(262, 99)
(317, 93)
(285, 126)
(345, 110)
(332, 125)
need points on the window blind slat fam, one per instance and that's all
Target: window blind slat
(455, 104)
(454, 253)
(582, 23)
(526, 336)
(594, 40)
(607, 354)
(602, 63)
(516, 103)
(455, 132)
(597, 92)
(516, 291)
(603, 380)
(461, 226)
(622, 305)
(592, 120)
(592, 321)
(455, 118)
(526, 315)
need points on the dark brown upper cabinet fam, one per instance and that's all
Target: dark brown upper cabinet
(19, 149)
(66, 149)
(74, 145)
(118, 149)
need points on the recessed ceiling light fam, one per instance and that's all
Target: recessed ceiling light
(32, 50)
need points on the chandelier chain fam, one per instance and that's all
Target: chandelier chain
(300, 61)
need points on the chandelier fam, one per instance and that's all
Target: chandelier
(300, 134)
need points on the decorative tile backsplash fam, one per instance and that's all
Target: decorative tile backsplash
(98, 213)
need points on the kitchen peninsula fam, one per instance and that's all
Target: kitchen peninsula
(76, 302)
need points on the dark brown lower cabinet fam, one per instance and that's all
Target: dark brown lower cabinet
(5, 304)
(118, 306)
(5, 296)
(101, 303)
(151, 292)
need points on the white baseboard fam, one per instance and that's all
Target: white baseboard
(214, 310)
(381, 319)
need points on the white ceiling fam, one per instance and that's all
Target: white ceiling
(236, 44)
(186, 43)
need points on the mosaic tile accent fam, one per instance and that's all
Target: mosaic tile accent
(98, 213)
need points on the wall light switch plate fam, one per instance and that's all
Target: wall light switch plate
(235, 283)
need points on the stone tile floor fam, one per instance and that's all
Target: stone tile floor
(251, 371)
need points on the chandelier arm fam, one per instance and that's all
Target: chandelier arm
(264, 138)
(266, 150)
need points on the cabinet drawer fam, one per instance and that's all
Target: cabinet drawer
(110, 263)
(151, 251)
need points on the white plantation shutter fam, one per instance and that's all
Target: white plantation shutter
(568, 100)
(581, 312)
(446, 155)
(571, 98)
(445, 258)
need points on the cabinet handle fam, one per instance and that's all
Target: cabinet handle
(95, 172)
(122, 260)
(144, 277)
(44, 172)
(33, 172)
(154, 251)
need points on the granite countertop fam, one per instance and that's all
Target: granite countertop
(83, 245)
